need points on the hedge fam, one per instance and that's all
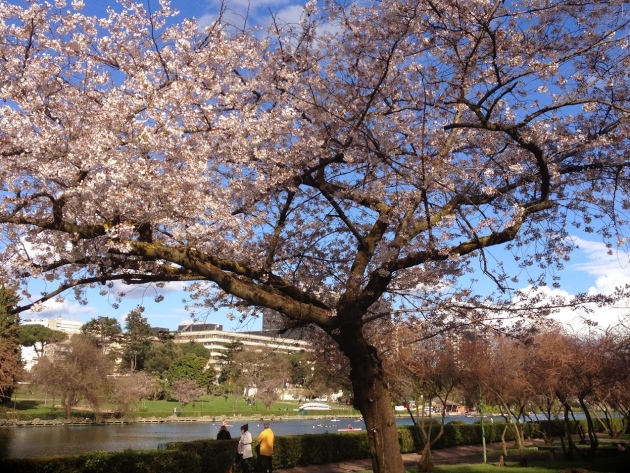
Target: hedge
(218, 456)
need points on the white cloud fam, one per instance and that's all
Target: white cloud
(146, 292)
(577, 319)
(600, 260)
(253, 12)
(63, 308)
(608, 272)
(291, 14)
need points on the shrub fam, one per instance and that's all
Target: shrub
(218, 456)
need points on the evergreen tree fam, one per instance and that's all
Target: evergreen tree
(195, 348)
(137, 339)
(106, 330)
(10, 349)
(229, 371)
(191, 366)
(38, 336)
(160, 356)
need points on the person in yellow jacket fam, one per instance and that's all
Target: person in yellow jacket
(266, 448)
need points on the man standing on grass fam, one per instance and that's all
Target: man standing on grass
(266, 448)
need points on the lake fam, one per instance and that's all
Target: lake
(35, 441)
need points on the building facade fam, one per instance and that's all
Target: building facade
(215, 339)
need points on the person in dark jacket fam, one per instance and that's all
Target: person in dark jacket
(224, 433)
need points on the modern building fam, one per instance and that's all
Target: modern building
(69, 326)
(215, 339)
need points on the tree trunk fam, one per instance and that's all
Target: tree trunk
(372, 399)
(68, 410)
(503, 442)
(592, 436)
(426, 459)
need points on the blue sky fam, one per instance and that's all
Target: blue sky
(591, 269)
(257, 12)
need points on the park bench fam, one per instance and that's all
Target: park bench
(552, 449)
(620, 443)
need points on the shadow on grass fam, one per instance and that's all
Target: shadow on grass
(607, 461)
(24, 405)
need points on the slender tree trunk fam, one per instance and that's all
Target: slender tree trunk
(372, 399)
(503, 442)
(567, 426)
(68, 410)
(589, 423)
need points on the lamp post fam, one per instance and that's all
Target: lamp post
(483, 433)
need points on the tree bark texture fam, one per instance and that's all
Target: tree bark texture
(372, 399)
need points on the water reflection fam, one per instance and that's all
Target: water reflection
(27, 442)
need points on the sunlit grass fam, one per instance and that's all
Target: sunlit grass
(29, 405)
(606, 461)
(619, 464)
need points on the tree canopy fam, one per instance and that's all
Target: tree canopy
(39, 336)
(192, 367)
(106, 330)
(137, 340)
(78, 371)
(364, 159)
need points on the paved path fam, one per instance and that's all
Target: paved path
(468, 454)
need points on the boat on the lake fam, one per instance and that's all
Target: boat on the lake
(350, 428)
(314, 406)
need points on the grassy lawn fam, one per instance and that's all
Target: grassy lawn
(25, 406)
(607, 460)
(618, 464)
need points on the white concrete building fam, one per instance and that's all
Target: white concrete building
(215, 339)
(69, 326)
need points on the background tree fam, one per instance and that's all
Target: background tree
(269, 372)
(613, 399)
(137, 340)
(196, 349)
(10, 369)
(160, 357)
(77, 372)
(319, 173)
(39, 337)
(106, 330)
(610, 397)
(229, 370)
(10, 349)
(428, 371)
(248, 371)
(186, 391)
(507, 384)
(329, 370)
(191, 366)
(129, 390)
(299, 368)
(440, 375)
(589, 374)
